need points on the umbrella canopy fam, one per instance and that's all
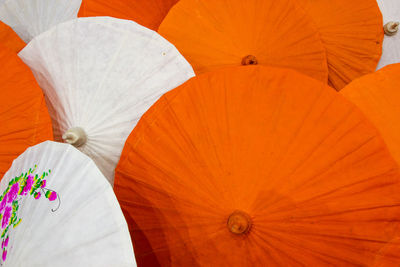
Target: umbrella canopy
(58, 210)
(389, 254)
(391, 43)
(378, 96)
(10, 39)
(24, 120)
(258, 166)
(351, 32)
(148, 13)
(213, 34)
(29, 18)
(99, 76)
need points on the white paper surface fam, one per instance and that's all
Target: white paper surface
(29, 18)
(87, 228)
(102, 74)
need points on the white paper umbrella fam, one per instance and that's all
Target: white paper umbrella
(29, 18)
(100, 75)
(57, 209)
(391, 43)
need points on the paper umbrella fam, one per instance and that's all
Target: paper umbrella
(351, 32)
(378, 96)
(391, 43)
(29, 18)
(99, 76)
(10, 39)
(389, 255)
(215, 34)
(24, 119)
(256, 166)
(57, 209)
(148, 13)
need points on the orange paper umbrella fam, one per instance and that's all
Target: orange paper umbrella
(352, 34)
(213, 34)
(389, 256)
(258, 166)
(378, 96)
(149, 13)
(10, 39)
(24, 120)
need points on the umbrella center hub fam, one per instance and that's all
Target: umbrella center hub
(249, 60)
(391, 28)
(75, 136)
(239, 223)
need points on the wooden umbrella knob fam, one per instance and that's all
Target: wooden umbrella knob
(75, 136)
(249, 60)
(391, 28)
(239, 223)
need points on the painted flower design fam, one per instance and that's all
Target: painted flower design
(4, 243)
(6, 217)
(51, 195)
(28, 185)
(12, 195)
(25, 185)
(3, 204)
(37, 195)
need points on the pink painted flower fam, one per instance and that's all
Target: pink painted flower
(3, 203)
(4, 256)
(28, 185)
(13, 193)
(53, 196)
(6, 217)
(43, 184)
(4, 243)
(38, 195)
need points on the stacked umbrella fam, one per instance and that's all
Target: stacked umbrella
(255, 161)
(97, 89)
